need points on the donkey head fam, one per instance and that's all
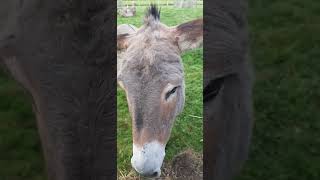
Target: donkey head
(151, 73)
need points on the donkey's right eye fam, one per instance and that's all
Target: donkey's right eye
(212, 90)
(172, 91)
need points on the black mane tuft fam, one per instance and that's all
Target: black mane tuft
(154, 12)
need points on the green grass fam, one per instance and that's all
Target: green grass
(187, 130)
(158, 2)
(285, 46)
(20, 151)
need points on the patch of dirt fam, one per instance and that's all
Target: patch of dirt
(187, 165)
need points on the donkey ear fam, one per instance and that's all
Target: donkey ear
(189, 35)
(122, 41)
(123, 32)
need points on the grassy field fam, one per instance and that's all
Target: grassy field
(187, 131)
(20, 151)
(285, 42)
(285, 46)
(158, 2)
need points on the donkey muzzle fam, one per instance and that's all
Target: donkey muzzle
(147, 159)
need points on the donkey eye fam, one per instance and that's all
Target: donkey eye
(172, 91)
(212, 90)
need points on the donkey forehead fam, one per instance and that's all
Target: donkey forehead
(157, 36)
(156, 74)
(152, 63)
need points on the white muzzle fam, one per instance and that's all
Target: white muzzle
(147, 160)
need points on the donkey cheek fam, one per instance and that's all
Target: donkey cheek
(167, 109)
(167, 117)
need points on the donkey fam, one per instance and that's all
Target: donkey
(151, 73)
(62, 53)
(228, 81)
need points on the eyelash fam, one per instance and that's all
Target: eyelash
(212, 90)
(168, 94)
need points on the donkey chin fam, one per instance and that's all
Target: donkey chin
(147, 159)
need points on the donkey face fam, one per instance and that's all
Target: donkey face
(151, 73)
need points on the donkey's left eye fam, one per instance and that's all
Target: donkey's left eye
(172, 91)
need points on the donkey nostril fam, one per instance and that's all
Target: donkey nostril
(156, 174)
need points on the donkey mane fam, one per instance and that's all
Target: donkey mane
(152, 14)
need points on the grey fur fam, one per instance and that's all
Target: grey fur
(149, 63)
(60, 52)
(228, 115)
